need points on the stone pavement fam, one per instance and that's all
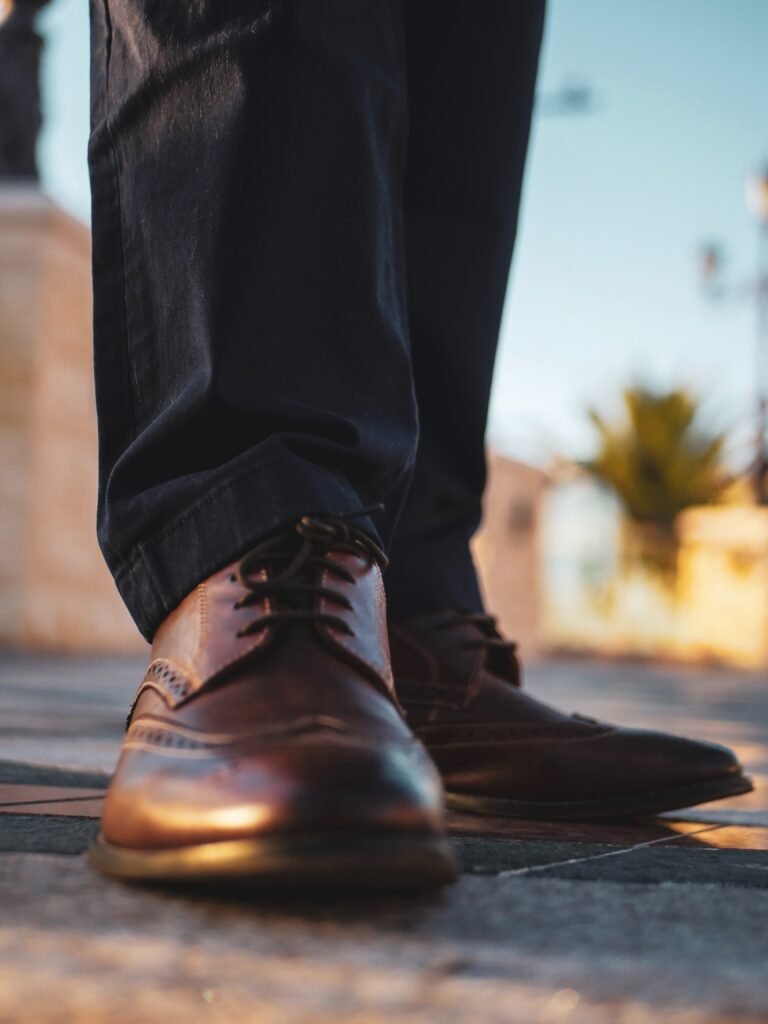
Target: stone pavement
(659, 920)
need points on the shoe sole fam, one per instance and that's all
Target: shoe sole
(336, 861)
(638, 804)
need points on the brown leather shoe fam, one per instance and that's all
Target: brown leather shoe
(265, 742)
(501, 752)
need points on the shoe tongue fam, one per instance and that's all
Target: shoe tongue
(498, 661)
(501, 662)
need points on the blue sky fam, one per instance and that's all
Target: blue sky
(604, 286)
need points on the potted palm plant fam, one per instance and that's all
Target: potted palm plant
(658, 460)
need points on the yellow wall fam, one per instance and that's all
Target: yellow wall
(712, 606)
(723, 584)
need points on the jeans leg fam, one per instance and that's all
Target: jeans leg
(471, 74)
(251, 352)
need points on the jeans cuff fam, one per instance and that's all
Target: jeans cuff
(222, 526)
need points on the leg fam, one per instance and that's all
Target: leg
(471, 74)
(250, 329)
(254, 389)
(499, 751)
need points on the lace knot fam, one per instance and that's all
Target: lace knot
(295, 561)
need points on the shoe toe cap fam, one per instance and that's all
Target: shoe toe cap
(602, 764)
(303, 787)
(666, 759)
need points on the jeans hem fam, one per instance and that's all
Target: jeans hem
(160, 571)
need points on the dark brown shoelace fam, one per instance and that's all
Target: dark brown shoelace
(487, 637)
(294, 559)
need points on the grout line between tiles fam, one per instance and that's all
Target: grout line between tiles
(531, 868)
(51, 800)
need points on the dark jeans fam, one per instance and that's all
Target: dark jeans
(303, 216)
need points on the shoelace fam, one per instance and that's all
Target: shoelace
(295, 587)
(488, 639)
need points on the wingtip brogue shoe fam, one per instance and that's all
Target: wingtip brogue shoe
(501, 752)
(265, 742)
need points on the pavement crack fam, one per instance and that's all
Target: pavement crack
(532, 868)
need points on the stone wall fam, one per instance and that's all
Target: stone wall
(55, 591)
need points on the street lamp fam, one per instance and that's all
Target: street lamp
(711, 269)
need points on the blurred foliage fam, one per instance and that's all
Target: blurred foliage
(657, 459)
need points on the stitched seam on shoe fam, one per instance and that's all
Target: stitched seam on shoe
(156, 678)
(361, 740)
(164, 738)
(158, 723)
(202, 619)
(458, 735)
(244, 749)
(381, 625)
(260, 640)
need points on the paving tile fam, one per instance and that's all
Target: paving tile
(44, 775)
(52, 833)
(734, 837)
(652, 862)
(530, 949)
(73, 754)
(648, 866)
(596, 923)
(623, 834)
(87, 808)
(19, 793)
(62, 801)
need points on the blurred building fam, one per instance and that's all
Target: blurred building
(723, 584)
(55, 591)
(600, 596)
(508, 549)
